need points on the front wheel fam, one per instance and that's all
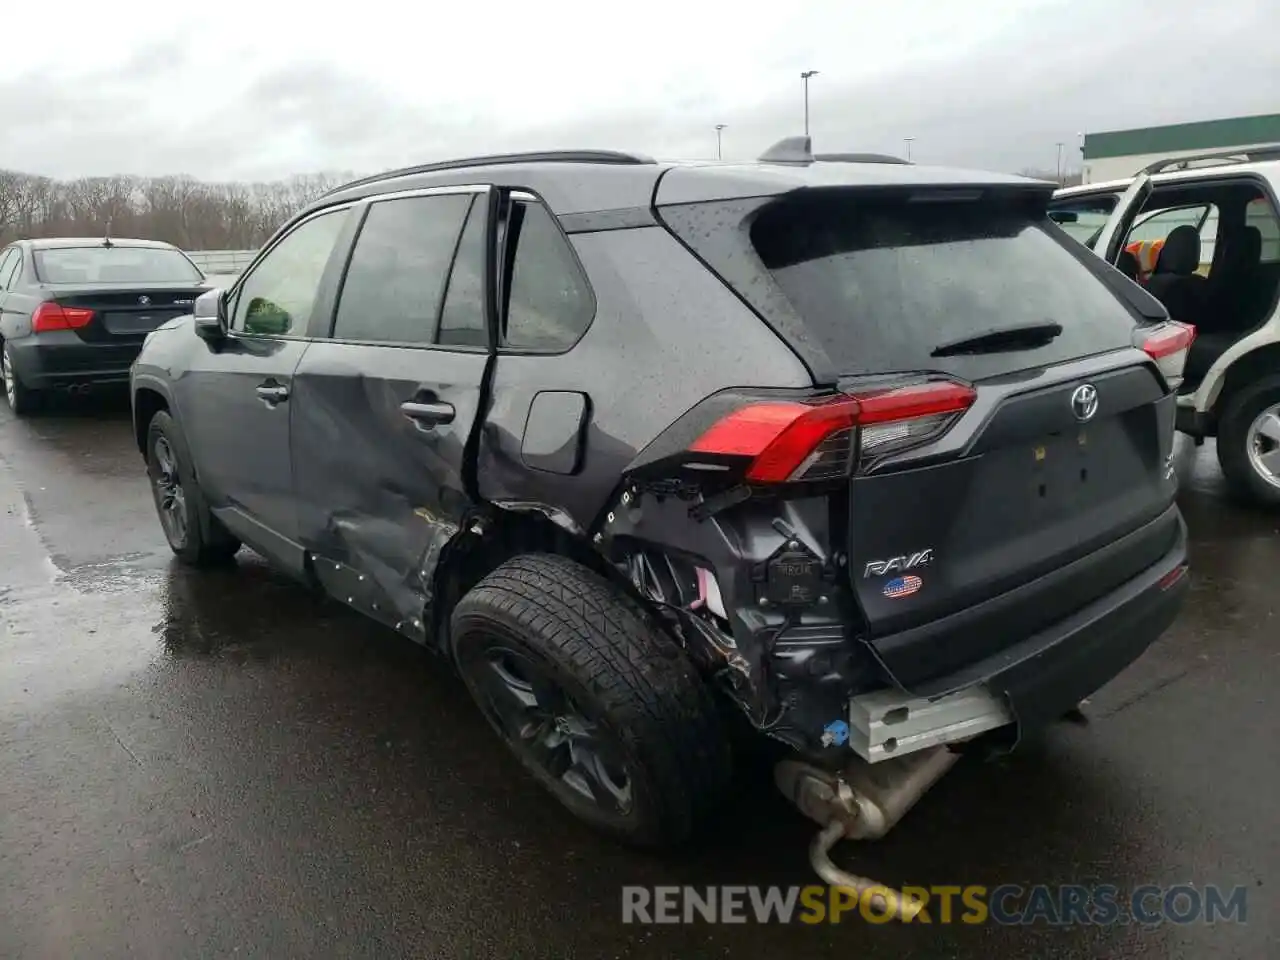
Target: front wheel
(21, 398)
(194, 534)
(1249, 444)
(600, 706)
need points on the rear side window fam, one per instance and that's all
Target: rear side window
(882, 283)
(549, 304)
(1260, 215)
(396, 280)
(9, 260)
(114, 265)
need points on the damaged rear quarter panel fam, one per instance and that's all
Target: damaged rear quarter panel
(666, 334)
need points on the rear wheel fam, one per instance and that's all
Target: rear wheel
(598, 704)
(194, 534)
(21, 399)
(1249, 444)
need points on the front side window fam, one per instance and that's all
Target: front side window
(277, 297)
(399, 269)
(115, 264)
(549, 304)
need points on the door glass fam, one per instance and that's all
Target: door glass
(550, 304)
(277, 297)
(398, 271)
(462, 320)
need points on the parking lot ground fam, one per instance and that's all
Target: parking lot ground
(208, 765)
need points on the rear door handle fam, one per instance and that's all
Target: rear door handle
(273, 392)
(428, 414)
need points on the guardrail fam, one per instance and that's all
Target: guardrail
(221, 262)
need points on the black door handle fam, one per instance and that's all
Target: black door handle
(273, 392)
(428, 414)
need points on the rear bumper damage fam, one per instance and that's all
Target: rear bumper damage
(905, 743)
(1033, 682)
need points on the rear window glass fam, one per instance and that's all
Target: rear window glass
(113, 265)
(882, 284)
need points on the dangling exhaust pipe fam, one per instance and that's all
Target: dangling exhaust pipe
(862, 802)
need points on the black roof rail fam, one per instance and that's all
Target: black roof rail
(789, 150)
(1269, 151)
(616, 157)
(858, 158)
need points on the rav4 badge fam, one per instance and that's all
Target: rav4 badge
(882, 568)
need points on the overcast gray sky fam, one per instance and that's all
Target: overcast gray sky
(253, 90)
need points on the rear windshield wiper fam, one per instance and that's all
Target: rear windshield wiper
(1023, 337)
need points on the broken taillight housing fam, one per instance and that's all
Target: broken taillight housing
(792, 440)
(1168, 344)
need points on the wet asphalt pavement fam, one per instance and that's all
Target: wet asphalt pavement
(219, 764)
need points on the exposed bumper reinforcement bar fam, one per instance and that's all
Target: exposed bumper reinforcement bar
(890, 723)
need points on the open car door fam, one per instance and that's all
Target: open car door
(1111, 240)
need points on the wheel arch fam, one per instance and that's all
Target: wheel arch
(150, 396)
(498, 534)
(1251, 369)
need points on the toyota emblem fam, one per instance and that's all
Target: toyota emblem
(144, 300)
(1084, 402)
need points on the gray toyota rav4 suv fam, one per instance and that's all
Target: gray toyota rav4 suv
(867, 453)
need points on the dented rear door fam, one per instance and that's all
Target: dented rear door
(386, 405)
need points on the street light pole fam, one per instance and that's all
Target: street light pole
(1059, 164)
(805, 77)
(719, 127)
(907, 141)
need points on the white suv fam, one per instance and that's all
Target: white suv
(1202, 234)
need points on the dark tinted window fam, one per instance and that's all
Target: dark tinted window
(398, 271)
(549, 305)
(279, 292)
(114, 265)
(462, 319)
(881, 284)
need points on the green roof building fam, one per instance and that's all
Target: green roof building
(1115, 154)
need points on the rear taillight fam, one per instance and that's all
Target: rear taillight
(54, 316)
(1168, 345)
(788, 440)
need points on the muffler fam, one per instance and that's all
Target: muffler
(863, 801)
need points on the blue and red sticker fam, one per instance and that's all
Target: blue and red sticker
(900, 587)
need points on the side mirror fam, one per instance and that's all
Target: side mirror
(210, 313)
(1064, 216)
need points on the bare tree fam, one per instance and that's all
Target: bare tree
(188, 213)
